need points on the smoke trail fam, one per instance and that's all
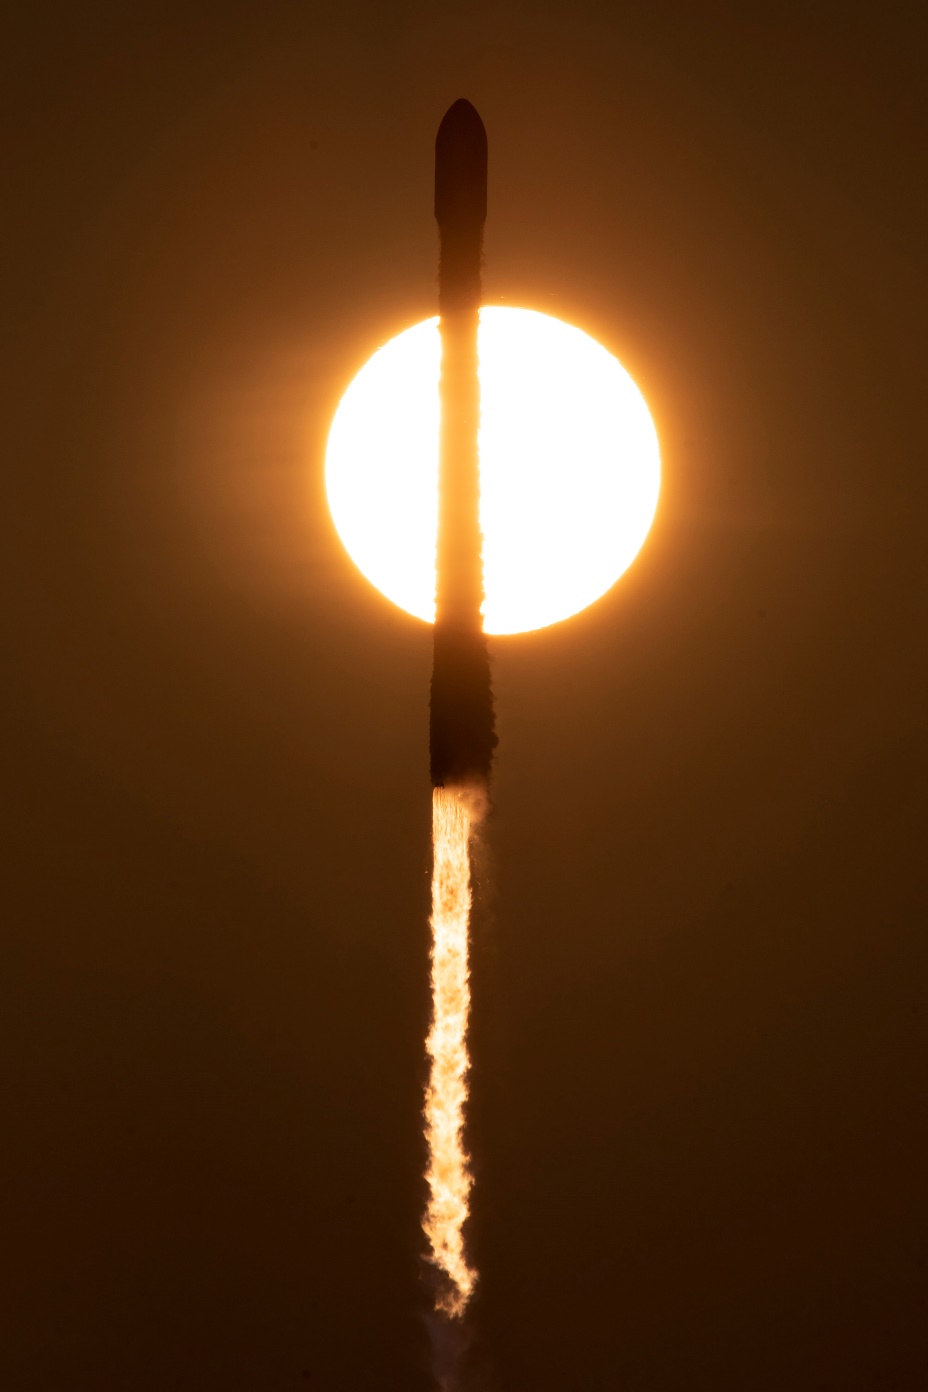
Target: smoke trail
(449, 1179)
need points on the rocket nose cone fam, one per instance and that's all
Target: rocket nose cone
(461, 167)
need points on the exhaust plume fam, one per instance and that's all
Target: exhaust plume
(448, 1176)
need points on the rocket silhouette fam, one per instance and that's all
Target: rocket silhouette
(462, 735)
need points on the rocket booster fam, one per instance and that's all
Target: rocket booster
(462, 735)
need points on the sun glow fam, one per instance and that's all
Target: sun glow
(569, 469)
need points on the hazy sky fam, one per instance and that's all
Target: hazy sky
(698, 1115)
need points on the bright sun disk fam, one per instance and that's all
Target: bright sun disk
(569, 468)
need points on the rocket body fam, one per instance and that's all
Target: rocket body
(462, 736)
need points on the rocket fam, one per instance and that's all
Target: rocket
(461, 730)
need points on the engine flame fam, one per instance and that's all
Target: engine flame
(448, 1175)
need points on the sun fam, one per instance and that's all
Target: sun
(569, 469)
